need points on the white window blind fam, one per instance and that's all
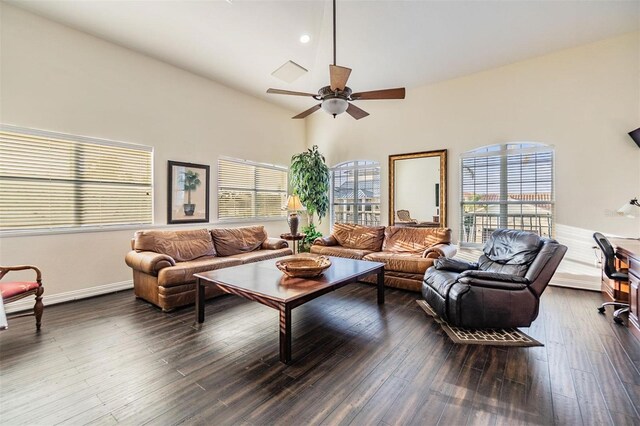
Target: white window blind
(248, 190)
(51, 180)
(355, 195)
(506, 186)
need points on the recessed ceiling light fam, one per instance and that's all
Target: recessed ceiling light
(305, 38)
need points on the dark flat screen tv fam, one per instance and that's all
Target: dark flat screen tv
(635, 135)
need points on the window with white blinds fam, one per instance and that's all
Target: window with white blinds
(355, 195)
(248, 190)
(52, 181)
(507, 186)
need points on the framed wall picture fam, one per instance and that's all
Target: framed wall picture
(188, 193)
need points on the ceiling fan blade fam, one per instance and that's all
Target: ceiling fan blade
(308, 112)
(356, 112)
(288, 92)
(338, 76)
(379, 94)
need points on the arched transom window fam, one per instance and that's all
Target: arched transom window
(355, 193)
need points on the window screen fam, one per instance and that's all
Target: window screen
(356, 193)
(51, 180)
(506, 186)
(249, 190)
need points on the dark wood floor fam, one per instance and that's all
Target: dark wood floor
(115, 359)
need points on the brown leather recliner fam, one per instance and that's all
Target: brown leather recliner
(502, 290)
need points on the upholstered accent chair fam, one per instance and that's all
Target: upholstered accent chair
(502, 289)
(405, 217)
(16, 290)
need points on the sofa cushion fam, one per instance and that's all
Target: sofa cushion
(183, 272)
(180, 245)
(400, 239)
(358, 236)
(258, 255)
(339, 251)
(401, 262)
(232, 241)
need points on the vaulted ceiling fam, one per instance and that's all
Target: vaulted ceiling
(392, 43)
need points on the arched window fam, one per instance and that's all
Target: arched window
(355, 194)
(506, 186)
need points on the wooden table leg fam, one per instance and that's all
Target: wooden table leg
(381, 287)
(199, 301)
(285, 334)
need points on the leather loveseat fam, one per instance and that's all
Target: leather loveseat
(164, 261)
(406, 252)
(501, 290)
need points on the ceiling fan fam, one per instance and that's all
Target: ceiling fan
(335, 98)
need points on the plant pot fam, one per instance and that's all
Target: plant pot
(189, 209)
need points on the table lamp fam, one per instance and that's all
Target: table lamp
(293, 206)
(628, 209)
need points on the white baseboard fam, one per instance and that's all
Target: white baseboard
(27, 303)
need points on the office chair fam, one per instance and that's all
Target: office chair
(609, 267)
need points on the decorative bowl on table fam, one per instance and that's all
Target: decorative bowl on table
(304, 265)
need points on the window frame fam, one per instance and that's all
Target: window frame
(367, 164)
(254, 164)
(79, 229)
(503, 152)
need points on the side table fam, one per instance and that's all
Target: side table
(294, 238)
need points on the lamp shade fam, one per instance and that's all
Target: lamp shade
(294, 204)
(629, 209)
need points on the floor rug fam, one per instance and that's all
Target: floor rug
(477, 336)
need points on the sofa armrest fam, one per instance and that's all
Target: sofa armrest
(148, 262)
(274, 244)
(326, 241)
(493, 280)
(440, 250)
(454, 265)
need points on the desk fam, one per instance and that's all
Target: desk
(3, 317)
(628, 256)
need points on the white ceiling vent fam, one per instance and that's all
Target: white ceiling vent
(289, 72)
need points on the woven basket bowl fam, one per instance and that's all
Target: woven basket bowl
(303, 265)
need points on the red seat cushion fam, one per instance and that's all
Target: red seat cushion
(12, 288)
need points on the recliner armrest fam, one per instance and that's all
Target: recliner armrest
(272, 243)
(495, 276)
(501, 285)
(454, 265)
(440, 250)
(148, 262)
(326, 241)
(493, 280)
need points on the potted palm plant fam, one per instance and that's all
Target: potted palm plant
(310, 181)
(190, 181)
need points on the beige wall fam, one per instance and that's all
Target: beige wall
(55, 78)
(582, 100)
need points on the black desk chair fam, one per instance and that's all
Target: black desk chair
(613, 273)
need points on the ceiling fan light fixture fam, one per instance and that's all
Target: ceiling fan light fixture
(335, 106)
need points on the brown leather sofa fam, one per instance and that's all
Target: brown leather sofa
(406, 252)
(164, 261)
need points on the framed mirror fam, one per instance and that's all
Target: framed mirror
(418, 189)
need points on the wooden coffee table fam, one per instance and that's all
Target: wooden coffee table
(262, 282)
